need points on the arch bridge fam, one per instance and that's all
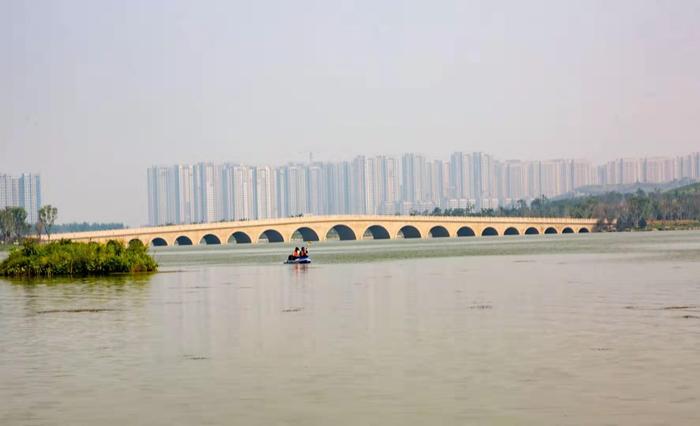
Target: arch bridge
(345, 227)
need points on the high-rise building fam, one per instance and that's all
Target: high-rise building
(413, 177)
(281, 194)
(461, 185)
(9, 191)
(630, 170)
(184, 192)
(553, 178)
(373, 187)
(296, 189)
(208, 196)
(516, 182)
(455, 190)
(688, 166)
(339, 181)
(582, 174)
(170, 195)
(484, 184)
(30, 195)
(434, 179)
(238, 187)
(158, 195)
(316, 185)
(21, 191)
(358, 185)
(390, 184)
(265, 196)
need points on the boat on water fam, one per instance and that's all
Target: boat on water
(298, 261)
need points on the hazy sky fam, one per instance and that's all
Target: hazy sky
(93, 92)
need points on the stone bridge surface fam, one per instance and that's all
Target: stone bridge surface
(346, 227)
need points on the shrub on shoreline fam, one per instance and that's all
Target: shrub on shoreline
(67, 258)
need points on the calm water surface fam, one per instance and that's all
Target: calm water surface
(585, 329)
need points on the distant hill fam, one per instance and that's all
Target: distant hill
(630, 188)
(693, 188)
(675, 205)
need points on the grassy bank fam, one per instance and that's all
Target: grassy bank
(67, 258)
(674, 225)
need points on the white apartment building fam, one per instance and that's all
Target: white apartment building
(21, 191)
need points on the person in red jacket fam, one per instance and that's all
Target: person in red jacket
(294, 255)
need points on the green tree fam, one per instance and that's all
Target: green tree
(14, 223)
(39, 227)
(47, 217)
(6, 225)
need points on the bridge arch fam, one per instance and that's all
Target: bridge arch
(376, 232)
(408, 231)
(532, 231)
(271, 236)
(439, 231)
(465, 231)
(567, 230)
(489, 231)
(239, 237)
(583, 230)
(551, 230)
(183, 240)
(210, 239)
(305, 234)
(343, 232)
(158, 242)
(133, 241)
(511, 231)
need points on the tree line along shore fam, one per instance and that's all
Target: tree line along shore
(674, 209)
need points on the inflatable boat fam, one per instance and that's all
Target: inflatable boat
(298, 261)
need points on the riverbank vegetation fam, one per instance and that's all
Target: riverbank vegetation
(86, 227)
(674, 209)
(67, 258)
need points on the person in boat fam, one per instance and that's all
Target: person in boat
(294, 255)
(304, 253)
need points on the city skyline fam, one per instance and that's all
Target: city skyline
(94, 93)
(659, 170)
(211, 192)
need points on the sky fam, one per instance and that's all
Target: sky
(92, 93)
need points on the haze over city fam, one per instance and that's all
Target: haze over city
(349, 212)
(94, 93)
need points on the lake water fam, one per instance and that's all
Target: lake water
(568, 329)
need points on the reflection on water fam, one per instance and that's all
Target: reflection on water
(592, 329)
